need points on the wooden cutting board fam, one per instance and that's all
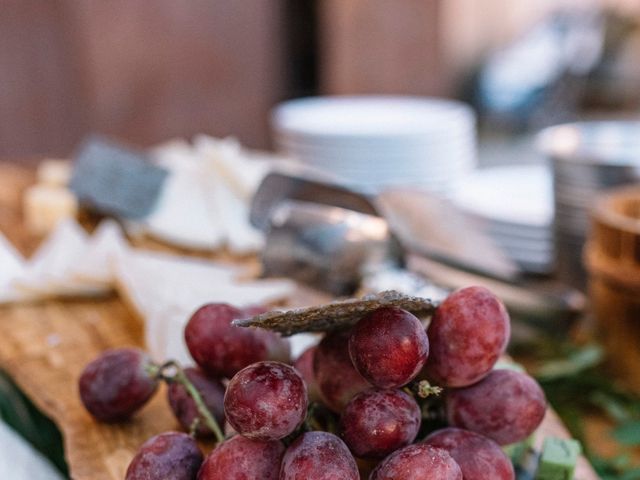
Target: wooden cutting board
(44, 347)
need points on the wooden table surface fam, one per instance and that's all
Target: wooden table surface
(45, 346)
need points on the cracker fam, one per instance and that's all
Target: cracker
(336, 315)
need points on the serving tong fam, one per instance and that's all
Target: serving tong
(334, 238)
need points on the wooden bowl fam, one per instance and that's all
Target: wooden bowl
(612, 258)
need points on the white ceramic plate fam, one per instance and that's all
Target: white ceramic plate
(376, 118)
(519, 195)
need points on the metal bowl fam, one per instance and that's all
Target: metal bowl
(586, 158)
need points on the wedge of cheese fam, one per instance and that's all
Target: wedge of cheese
(166, 289)
(12, 266)
(96, 264)
(49, 272)
(181, 216)
(240, 170)
(233, 214)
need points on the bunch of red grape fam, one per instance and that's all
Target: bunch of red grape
(388, 398)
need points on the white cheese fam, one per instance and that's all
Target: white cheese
(54, 172)
(166, 289)
(45, 206)
(48, 272)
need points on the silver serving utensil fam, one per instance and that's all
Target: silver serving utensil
(420, 222)
(292, 183)
(335, 247)
(329, 247)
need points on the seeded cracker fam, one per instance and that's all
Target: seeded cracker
(336, 315)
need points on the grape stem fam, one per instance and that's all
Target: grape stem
(172, 372)
(424, 389)
(193, 428)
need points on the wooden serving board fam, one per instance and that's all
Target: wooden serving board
(44, 347)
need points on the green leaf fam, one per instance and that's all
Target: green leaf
(631, 474)
(614, 408)
(628, 433)
(21, 415)
(583, 359)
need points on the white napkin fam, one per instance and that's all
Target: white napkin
(20, 461)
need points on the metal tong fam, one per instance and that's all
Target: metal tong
(331, 237)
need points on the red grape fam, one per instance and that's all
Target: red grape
(304, 365)
(318, 456)
(184, 407)
(389, 347)
(266, 401)
(468, 332)
(479, 457)
(171, 455)
(222, 349)
(278, 348)
(418, 462)
(242, 458)
(506, 406)
(337, 378)
(376, 422)
(117, 384)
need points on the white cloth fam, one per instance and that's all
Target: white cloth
(20, 461)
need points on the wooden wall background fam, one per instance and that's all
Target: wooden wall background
(149, 70)
(141, 70)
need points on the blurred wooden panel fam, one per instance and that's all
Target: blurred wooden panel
(381, 46)
(142, 70)
(40, 108)
(161, 68)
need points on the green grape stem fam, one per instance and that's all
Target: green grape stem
(178, 376)
(424, 389)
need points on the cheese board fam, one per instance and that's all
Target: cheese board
(45, 346)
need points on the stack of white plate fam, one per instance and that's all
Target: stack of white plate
(515, 205)
(373, 142)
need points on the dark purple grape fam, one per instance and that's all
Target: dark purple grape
(418, 462)
(242, 458)
(117, 384)
(479, 458)
(337, 378)
(222, 349)
(506, 406)
(389, 347)
(304, 365)
(170, 455)
(376, 422)
(278, 348)
(318, 456)
(468, 332)
(184, 407)
(266, 401)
